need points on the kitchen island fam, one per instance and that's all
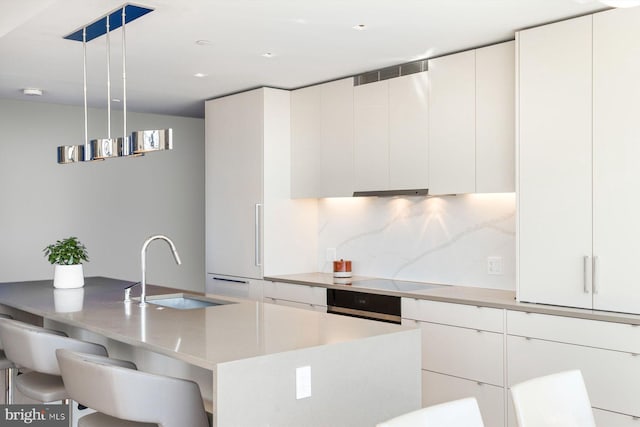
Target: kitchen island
(243, 354)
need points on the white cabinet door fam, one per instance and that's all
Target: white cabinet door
(408, 132)
(306, 142)
(234, 183)
(322, 140)
(438, 388)
(554, 193)
(452, 101)
(465, 353)
(495, 118)
(336, 146)
(612, 377)
(616, 239)
(371, 136)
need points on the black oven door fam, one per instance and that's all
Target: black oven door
(385, 308)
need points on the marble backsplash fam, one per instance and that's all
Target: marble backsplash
(437, 239)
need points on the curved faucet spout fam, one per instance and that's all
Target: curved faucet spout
(143, 263)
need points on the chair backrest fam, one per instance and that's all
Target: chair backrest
(457, 413)
(34, 348)
(558, 400)
(129, 394)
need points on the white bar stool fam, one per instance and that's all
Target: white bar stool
(9, 369)
(33, 348)
(557, 400)
(127, 397)
(457, 413)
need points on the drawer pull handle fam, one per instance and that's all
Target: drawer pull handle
(527, 338)
(478, 331)
(479, 383)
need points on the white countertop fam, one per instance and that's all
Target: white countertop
(482, 297)
(202, 337)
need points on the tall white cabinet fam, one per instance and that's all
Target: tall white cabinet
(554, 161)
(578, 231)
(252, 225)
(471, 121)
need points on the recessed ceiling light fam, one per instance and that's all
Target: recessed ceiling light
(32, 91)
(359, 27)
(204, 42)
(267, 55)
(200, 75)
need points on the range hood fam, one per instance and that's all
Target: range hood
(391, 193)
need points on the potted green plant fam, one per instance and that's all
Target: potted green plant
(67, 256)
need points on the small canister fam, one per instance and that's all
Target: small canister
(341, 269)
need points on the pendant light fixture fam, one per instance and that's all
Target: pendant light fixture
(139, 142)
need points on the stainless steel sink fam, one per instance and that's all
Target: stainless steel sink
(184, 302)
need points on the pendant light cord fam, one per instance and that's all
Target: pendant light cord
(87, 152)
(124, 76)
(108, 81)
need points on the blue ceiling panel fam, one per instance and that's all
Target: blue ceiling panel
(99, 27)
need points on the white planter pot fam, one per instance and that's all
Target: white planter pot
(68, 276)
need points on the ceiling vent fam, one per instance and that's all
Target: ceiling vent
(390, 72)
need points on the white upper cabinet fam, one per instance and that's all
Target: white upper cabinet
(408, 132)
(471, 116)
(391, 134)
(322, 140)
(616, 151)
(554, 193)
(371, 143)
(452, 101)
(579, 234)
(495, 118)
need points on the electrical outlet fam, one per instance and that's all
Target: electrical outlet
(494, 265)
(330, 255)
(303, 382)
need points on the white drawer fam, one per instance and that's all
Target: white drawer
(612, 377)
(234, 287)
(303, 305)
(466, 353)
(592, 333)
(611, 419)
(438, 388)
(298, 293)
(467, 316)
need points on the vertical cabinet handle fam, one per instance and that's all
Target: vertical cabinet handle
(258, 261)
(586, 272)
(595, 275)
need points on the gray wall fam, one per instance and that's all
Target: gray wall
(112, 206)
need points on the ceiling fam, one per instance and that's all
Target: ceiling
(310, 41)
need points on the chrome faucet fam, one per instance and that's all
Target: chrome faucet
(143, 262)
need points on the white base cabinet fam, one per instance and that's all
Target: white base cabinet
(235, 287)
(606, 354)
(438, 388)
(294, 295)
(462, 354)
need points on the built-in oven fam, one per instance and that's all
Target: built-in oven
(365, 305)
